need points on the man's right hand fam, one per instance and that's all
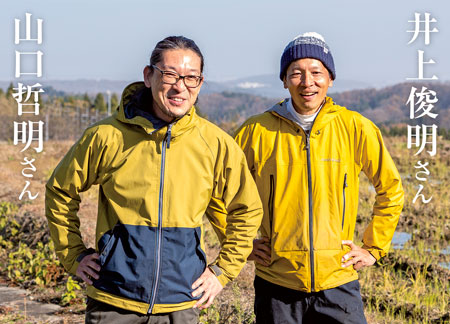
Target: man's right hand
(89, 268)
(261, 252)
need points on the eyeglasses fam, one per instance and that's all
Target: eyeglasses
(190, 81)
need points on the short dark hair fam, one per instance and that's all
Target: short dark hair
(173, 43)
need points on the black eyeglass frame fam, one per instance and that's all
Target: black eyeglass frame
(199, 78)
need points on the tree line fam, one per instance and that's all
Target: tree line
(52, 96)
(386, 107)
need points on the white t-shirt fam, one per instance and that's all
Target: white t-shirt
(305, 121)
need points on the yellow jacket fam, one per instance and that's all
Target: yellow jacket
(156, 183)
(309, 188)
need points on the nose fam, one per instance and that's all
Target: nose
(307, 79)
(179, 85)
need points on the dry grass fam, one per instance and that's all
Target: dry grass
(407, 287)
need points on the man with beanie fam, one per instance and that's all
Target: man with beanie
(305, 154)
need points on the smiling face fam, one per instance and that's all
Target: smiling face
(171, 101)
(307, 80)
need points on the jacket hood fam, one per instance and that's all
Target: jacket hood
(327, 113)
(132, 110)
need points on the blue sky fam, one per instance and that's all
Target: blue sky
(113, 39)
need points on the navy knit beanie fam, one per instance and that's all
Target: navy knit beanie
(308, 45)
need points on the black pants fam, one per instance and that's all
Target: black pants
(279, 305)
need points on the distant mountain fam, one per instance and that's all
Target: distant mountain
(231, 109)
(269, 86)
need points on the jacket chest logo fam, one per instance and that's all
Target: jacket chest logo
(331, 160)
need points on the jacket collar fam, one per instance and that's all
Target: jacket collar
(129, 112)
(327, 113)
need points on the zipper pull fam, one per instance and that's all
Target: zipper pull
(169, 135)
(307, 140)
(345, 181)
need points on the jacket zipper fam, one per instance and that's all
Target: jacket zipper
(343, 192)
(271, 197)
(165, 143)
(311, 224)
(310, 200)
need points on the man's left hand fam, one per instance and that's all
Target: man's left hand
(358, 257)
(209, 285)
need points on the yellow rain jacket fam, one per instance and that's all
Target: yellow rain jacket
(156, 181)
(309, 188)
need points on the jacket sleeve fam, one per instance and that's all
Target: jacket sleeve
(379, 167)
(76, 172)
(243, 139)
(235, 210)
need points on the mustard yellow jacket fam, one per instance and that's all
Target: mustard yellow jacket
(155, 185)
(309, 188)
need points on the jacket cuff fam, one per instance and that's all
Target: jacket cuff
(74, 267)
(219, 273)
(223, 280)
(215, 269)
(83, 254)
(376, 253)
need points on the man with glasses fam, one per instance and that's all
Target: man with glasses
(306, 154)
(160, 168)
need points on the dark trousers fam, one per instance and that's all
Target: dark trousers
(279, 305)
(101, 313)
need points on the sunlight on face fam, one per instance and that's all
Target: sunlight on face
(307, 80)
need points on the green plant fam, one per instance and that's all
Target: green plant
(40, 264)
(7, 208)
(29, 260)
(9, 227)
(70, 292)
(210, 315)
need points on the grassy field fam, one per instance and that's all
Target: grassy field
(410, 285)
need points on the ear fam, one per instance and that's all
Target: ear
(148, 72)
(284, 82)
(330, 84)
(201, 83)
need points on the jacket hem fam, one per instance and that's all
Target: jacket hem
(135, 306)
(304, 289)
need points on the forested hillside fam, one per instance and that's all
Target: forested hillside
(385, 106)
(388, 105)
(229, 110)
